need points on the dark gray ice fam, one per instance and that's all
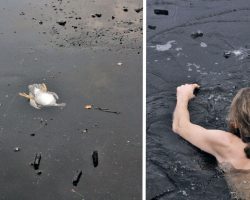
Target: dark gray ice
(176, 169)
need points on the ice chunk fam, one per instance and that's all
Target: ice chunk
(165, 47)
(203, 44)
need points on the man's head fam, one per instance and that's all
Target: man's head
(239, 114)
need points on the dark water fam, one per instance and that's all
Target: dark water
(35, 52)
(175, 169)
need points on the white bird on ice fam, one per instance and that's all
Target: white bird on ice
(39, 96)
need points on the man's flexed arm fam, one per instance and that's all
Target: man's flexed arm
(211, 141)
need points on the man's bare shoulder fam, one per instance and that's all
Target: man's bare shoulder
(230, 146)
(225, 137)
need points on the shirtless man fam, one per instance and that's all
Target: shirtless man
(225, 146)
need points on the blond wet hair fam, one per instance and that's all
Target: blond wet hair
(239, 116)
